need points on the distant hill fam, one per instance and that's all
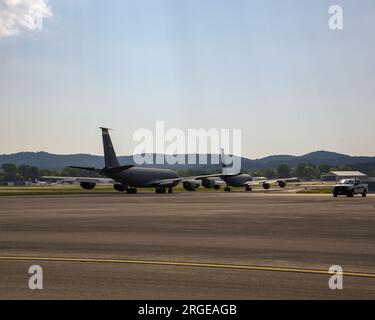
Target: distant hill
(46, 160)
(317, 158)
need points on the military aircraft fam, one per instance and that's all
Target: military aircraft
(241, 179)
(127, 178)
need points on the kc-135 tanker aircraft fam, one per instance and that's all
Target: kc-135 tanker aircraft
(127, 178)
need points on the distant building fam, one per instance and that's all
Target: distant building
(338, 175)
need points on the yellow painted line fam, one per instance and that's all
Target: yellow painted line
(189, 264)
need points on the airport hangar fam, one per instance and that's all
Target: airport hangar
(336, 176)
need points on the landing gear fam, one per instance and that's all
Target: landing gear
(161, 190)
(120, 187)
(170, 190)
(248, 189)
(227, 189)
(131, 191)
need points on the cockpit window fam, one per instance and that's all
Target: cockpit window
(346, 181)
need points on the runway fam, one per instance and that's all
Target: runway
(187, 246)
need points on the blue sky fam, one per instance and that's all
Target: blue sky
(271, 68)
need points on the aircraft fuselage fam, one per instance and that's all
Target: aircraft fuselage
(237, 181)
(139, 177)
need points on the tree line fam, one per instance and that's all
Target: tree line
(305, 171)
(308, 171)
(11, 173)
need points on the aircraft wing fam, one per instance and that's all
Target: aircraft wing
(283, 180)
(260, 180)
(80, 179)
(215, 175)
(167, 182)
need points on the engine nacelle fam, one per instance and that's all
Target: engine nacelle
(266, 185)
(282, 184)
(119, 187)
(88, 185)
(190, 185)
(211, 183)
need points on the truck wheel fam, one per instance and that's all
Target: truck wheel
(335, 195)
(364, 194)
(351, 194)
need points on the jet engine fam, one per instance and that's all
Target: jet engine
(266, 185)
(190, 185)
(211, 183)
(119, 187)
(88, 185)
(282, 184)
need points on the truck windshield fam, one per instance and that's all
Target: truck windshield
(346, 181)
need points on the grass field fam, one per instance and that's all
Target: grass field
(315, 191)
(76, 189)
(107, 189)
(51, 190)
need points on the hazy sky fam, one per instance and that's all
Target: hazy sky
(271, 68)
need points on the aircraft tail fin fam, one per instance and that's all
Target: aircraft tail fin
(109, 152)
(223, 163)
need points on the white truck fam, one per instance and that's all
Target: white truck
(349, 188)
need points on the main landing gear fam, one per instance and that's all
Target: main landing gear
(161, 190)
(227, 189)
(131, 191)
